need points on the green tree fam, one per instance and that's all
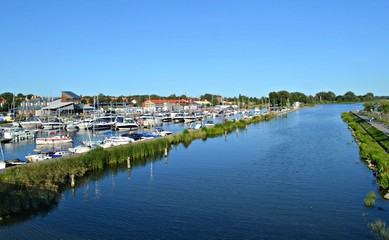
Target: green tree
(282, 97)
(350, 97)
(172, 96)
(369, 106)
(207, 96)
(384, 106)
(273, 98)
(368, 97)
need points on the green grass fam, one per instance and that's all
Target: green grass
(372, 146)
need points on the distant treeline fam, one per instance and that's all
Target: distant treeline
(280, 98)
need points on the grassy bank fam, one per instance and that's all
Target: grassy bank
(57, 173)
(373, 144)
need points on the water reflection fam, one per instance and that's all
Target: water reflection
(21, 204)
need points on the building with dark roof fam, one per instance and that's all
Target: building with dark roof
(68, 96)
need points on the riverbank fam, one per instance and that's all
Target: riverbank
(57, 174)
(373, 144)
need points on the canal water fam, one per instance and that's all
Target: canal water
(294, 177)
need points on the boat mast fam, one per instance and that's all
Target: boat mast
(2, 153)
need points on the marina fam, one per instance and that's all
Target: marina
(105, 131)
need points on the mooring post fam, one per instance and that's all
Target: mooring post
(129, 162)
(72, 181)
(165, 151)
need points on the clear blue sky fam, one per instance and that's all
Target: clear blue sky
(226, 47)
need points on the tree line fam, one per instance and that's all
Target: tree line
(280, 98)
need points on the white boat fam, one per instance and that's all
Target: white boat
(53, 124)
(162, 133)
(166, 118)
(80, 149)
(148, 121)
(178, 117)
(196, 127)
(102, 123)
(38, 157)
(53, 140)
(14, 162)
(189, 119)
(17, 133)
(116, 141)
(85, 123)
(125, 123)
(209, 123)
(59, 154)
(31, 123)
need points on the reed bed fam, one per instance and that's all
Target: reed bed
(57, 173)
(379, 229)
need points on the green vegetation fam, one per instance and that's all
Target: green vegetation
(370, 199)
(379, 229)
(374, 146)
(56, 173)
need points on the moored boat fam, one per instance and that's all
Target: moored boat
(125, 123)
(38, 157)
(116, 141)
(59, 154)
(54, 124)
(80, 149)
(53, 140)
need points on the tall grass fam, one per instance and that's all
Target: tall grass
(379, 229)
(370, 199)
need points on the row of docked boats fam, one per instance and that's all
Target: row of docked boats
(41, 131)
(98, 123)
(87, 145)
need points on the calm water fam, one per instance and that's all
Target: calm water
(298, 177)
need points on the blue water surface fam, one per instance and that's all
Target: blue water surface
(294, 177)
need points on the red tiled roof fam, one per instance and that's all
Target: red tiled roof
(157, 101)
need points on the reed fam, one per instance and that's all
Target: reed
(56, 174)
(370, 199)
(379, 229)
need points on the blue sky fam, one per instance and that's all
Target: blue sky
(226, 47)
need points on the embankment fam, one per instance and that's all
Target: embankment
(373, 144)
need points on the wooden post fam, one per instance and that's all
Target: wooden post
(129, 162)
(72, 181)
